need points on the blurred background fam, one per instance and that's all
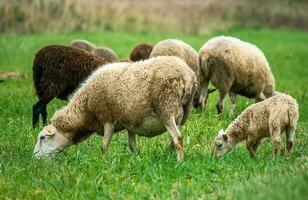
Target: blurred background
(185, 16)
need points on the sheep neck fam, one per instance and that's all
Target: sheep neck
(236, 133)
(74, 122)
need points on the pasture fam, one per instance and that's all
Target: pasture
(83, 172)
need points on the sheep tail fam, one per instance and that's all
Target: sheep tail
(188, 102)
(289, 118)
(292, 116)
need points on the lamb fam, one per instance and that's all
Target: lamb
(141, 52)
(83, 44)
(105, 53)
(174, 47)
(57, 71)
(235, 67)
(145, 98)
(269, 118)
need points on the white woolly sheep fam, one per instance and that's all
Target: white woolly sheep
(146, 98)
(107, 54)
(235, 67)
(174, 47)
(269, 118)
(83, 44)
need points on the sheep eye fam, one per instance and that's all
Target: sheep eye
(42, 137)
(220, 145)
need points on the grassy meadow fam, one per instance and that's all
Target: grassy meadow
(83, 172)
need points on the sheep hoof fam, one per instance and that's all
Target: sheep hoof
(104, 150)
(135, 151)
(180, 157)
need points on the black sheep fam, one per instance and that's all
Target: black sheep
(57, 72)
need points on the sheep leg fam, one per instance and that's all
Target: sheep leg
(232, 96)
(108, 131)
(220, 102)
(250, 149)
(172, 128)
(40, 108)
(276, 141)
(289, 140)
(203, 96)
(36, 111)
(44, 111)
(256, 145)
(132, 143)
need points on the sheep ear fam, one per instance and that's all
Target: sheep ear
(225, 137)
(50, 132)
(221, 132)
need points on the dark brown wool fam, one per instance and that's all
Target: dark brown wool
(57, 72)
(141, 52)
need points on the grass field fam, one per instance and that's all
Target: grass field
(82, 172)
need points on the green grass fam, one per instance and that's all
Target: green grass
(82, 172)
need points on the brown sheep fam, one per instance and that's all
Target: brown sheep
(141, 52)
(57, 72)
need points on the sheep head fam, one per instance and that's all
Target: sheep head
(50, 141)
(222, 144)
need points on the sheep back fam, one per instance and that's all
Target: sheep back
(58, 70)
(105, 53)
(83, 44)
(277, 112)
(174, 47)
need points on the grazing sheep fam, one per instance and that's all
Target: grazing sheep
(107, 54)
(174, 47)
(83, 44)
(57, 71)
(269, 118)
(146, 98)
(235, 67)
(141, 52)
